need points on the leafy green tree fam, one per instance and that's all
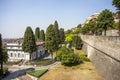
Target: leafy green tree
(92, 26)
(77, 42)
(29, 41)
(105, 20)
(62, 35)
(116, 3)
(49, 39)
(115, 26)
(79, 26)
(85, 29)
(68, 32)
(42, 35)
(69, 38)
(37, 34)
(89, 28)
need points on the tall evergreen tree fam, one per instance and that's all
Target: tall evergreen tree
(61, 35)
(49, 39)
(77, 42)
(116, 3)
(56, 36)
(37, 34)
(42, 35)
(105, 20)
(29, 41)
(1, 57)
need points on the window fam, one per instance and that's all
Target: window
(11, 54)
(11, 47)
(15, 55)
(22, 55)
(18, 54)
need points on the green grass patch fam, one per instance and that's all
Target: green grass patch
(14, 62)
(37, 73)
(42, 62)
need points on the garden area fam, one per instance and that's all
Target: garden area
(82, 69)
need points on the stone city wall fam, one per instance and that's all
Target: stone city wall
(104, 53)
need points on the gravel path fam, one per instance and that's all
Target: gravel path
(18, 72)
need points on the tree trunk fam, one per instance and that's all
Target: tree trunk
(104, 32)
(30, 57)
(1, 67)
(119, 24)
(56, 53)
(51, 55)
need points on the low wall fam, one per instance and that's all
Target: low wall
(104, 53)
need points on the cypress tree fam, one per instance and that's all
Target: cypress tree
(37, 35)
(62, 35)
(42, 35)
(56, 36)
(29, 41)
(77, 42)
(49, 39)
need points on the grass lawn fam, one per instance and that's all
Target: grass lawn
(13, 62)
(37, 73)
(84, 71)
(42, 62)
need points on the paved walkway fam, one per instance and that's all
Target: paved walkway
(17, 71)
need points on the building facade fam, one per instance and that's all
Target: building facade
(15, 52)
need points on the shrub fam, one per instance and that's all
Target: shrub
(68, 59)
(67, 56)
(5, 72)
(84, 57)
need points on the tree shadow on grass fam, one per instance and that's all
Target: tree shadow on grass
(16, 74)
(72, 65)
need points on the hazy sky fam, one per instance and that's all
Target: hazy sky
(16, 15)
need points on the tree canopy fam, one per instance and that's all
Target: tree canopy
(105, 20)
(116, 3)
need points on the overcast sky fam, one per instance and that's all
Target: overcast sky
(16, 15)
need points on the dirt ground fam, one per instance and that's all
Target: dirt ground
(84, 71)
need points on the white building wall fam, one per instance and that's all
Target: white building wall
(15, 52)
